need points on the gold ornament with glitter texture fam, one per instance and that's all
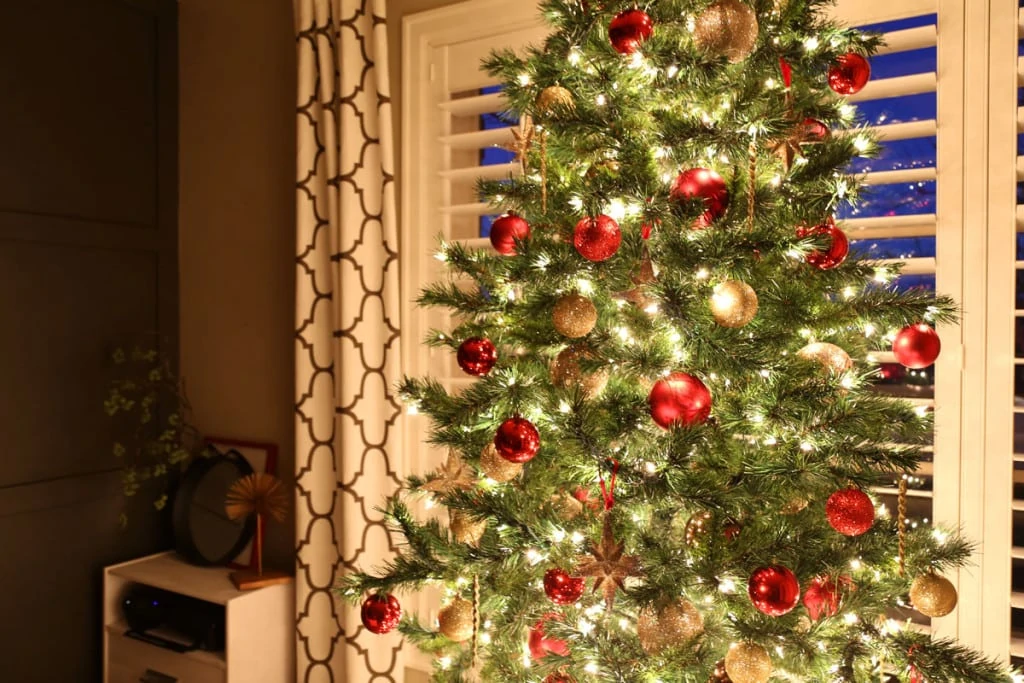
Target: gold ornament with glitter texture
(669, 627)
(727, 28)
(574, 316)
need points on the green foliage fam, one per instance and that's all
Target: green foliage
(785, 433)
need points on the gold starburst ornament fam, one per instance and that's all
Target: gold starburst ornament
(454, 475)
(609, 565)
(261, 495)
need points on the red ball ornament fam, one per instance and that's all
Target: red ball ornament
(517, 440)
(679, 399)
(822, 597)
(849, 74)
(774, 590)
(477, 356)
(561, 588)
(914, 675)
(559, 678)
(506, 230)
(540, 645)
(629, 29)
(815, 130)
(381, 613)
(837, 251)
(917, 346)
(850, 512)
(702, 183)
(597, 239)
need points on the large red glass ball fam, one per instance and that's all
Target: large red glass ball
(381, 613)
(517, 440)
(629, 30)
(815, 131)
(506, 230)
(561, 588)
(823, 596)
(702, 183)
(917, 346)
(850, 512)
(540, 645)
(679, 399)
(774, 590)
(559, 678)
(597, 239)
(476, 356)
(838, 249)
(849, 74)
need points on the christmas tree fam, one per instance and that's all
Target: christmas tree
(663, 470)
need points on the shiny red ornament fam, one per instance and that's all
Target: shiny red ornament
(540, 645)
(597, 239)
(629, 30)
(517, 440)
(702, 183)
(506, 230)
(679, 399)
(559, 678)
(476, 356)
(915, 676)
(732, 531)
(381, 613)
(815, 130)
(561, 588)
(850, 512)
(837, 251)
(822, 597)
(774, 590)
(849, 74)
(917, 346)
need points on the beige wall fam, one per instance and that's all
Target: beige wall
(237, 160)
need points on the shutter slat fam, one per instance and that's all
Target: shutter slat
(911, 266)
(906, 175)
(905, 131)
(921, 225)
(471, 173)
(479, 104)
(900, 86)
(490, 137)
(909, 39)
(474, 209)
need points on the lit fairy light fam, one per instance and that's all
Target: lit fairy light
(592, 668)
(576, 203)
(869, 330)
(585, 286)
(412, 409)
(650, 467)
(652, 309)
(577, 538)
(856, 565)
(524, 79)
(637, 60)
(445, 663)
(812, 44)
(921, 411)
(850, 618)
(939, 535)
(558, 534)
(533, 556)
(766, 373)
(601, 100)
(672, 71)
(806, 447)
(564, 407)
(585, 627)
(575, 56)
(770, 83)
(848, 382)
(861, 143)
(616, 209)
(727, 586)
(702, 274)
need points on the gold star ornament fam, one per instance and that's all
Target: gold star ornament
(454, 475)
(609, 565)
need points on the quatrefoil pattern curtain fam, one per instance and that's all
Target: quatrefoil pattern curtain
(347, 355)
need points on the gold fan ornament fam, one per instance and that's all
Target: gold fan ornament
(262, 495)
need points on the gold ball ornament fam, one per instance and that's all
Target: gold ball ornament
(465, 529)
(733, 303)
(933, 595)
(748, 663)
(574, 316)
(497, 468)
(795, 506)
(830, 356)
(555, 97)
(697, 528)
(672, 626)
(456, 620)
(609, 168)
(567, 506)
(719, 675)
(728, 28)
(566, 372)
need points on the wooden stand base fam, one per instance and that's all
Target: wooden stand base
(248, 580)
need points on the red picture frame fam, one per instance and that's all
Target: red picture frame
(262, 457)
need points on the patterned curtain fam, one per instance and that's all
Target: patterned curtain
(347, 356)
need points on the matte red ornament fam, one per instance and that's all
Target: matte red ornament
(597, 239)
(506, 230)
(629, 30)
(850, 512)
(540, 645)
(822, 597)
(477, 356)
(679, 399)
(837, 251)
(381, 613)
(517, 440)
(917, 346)
(561, 588)
(849, 74)
(774, 590)
(702, 183)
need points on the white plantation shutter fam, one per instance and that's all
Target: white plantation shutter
(967, 482)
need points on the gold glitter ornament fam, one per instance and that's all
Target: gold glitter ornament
(566, 372)
(748, 663)
(567, 506)
(574, 316)
(697, 528)
(933, 595)
(466, 529)
(456, 620)
(555, 97)
(830, 356)
(727, 28)
(719, 675)
(497, 468)
(795, 506)
(672, 626)
(733, 303)
(609, 168)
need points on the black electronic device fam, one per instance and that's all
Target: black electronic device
(172, 621)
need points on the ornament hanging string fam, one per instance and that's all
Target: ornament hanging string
(544, 171)
(787, 73)
(901, 524)
(476, 618)
(751, 183)
(608, 492)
